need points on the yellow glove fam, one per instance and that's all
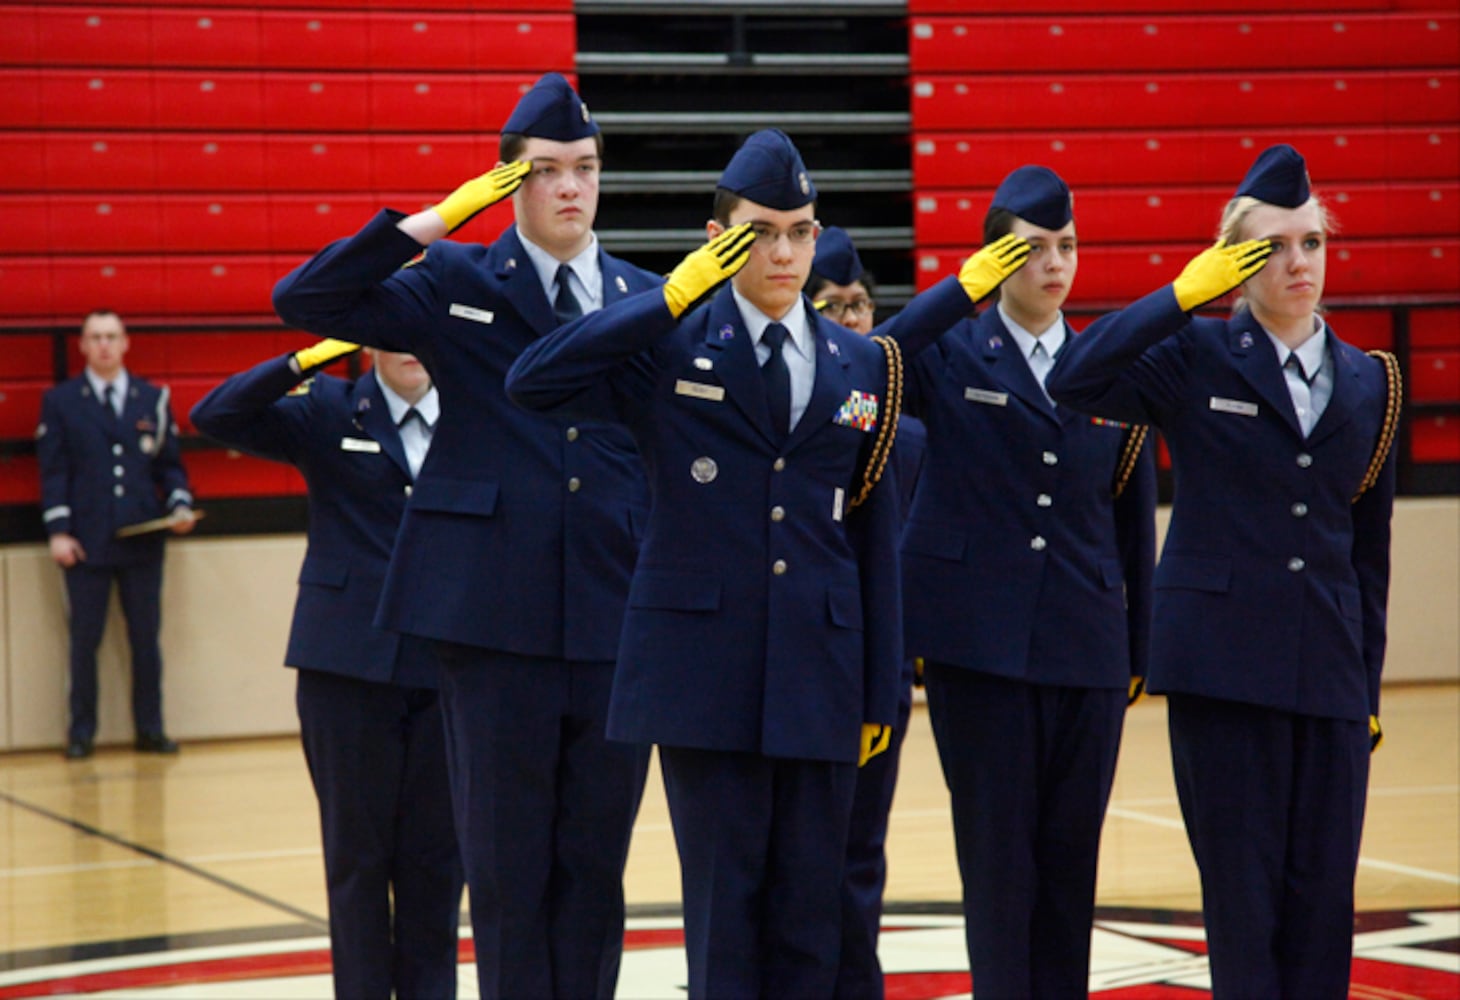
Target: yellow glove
(875, 739)
(321, 354)
(1376, 734)
(704, 269)
(1137, 691)
(987, 269)
(481, 192)
(1217, 270)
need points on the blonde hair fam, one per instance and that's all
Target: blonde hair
(1234, 218)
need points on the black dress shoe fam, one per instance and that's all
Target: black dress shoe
(79, 749)
(155, 743)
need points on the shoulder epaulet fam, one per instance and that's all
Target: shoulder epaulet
(1394, 389)
(1130, 453)
(887, 427)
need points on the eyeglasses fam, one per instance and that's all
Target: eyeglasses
(836, 309)
(801, 234)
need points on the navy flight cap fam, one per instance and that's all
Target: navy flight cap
(552, 110)
(1037, 195)
(768, 171)
(836, 257)
(1279, 177)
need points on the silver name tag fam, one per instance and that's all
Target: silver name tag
(359, 444)
(1236, 406)
(472, 313)
(699, 390)
(986, 396)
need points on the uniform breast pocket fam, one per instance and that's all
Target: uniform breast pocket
(455, 496)
(937, 541)
(844, 607)
(323, 571)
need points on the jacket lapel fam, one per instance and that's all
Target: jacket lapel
(519, 283)
(1256, 361)
(728, 342)
(1006, 364)
(831, 386)
(372, 415)
(1347, 388)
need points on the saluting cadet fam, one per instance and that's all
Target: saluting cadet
(1270, 596)
(840, 288)
(109, 458)
(763, 633)
(1026, 576)
(368, 713)
(517, 545)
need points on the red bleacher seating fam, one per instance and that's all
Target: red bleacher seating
(20, 478)
(1435, 328)
(997, 7)
(1435, 439)
(1434, 376)
(219, 162)
(199, 224)
(274, 100)
(225, 473)
(1367, 329)
(1114, 43)
(1157, 214)
(1355, 268)
(1183, 156)
(20, 406)
(1218, 99)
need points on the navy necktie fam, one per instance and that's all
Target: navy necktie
(566, 306)
(777, 379)
(1296, 367)
(109, 400)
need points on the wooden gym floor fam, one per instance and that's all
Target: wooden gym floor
(224, 837)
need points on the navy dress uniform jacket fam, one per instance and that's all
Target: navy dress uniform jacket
(341, 437)
(99, 474)
(521, 533)
(1273, 582)
(1019, 537)
(764, 615)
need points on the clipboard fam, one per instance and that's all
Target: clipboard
(163, 523)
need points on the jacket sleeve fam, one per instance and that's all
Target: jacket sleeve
(1372, 514)
(875, 528)
(1135, 534)
(55, 466)
(246, 411)
(598, 366)
(168, 471)
(920, 324)
(1123, 366)
(357, 290)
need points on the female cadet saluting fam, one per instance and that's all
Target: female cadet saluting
(1027, 564)
(1270, 597)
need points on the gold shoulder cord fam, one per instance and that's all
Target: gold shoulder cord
(1129, 453)
(887, 426)
(1391, 421)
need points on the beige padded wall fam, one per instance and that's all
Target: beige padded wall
(225, 619)
(227, 603)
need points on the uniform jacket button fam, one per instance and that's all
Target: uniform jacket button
(574, 484)
(1296, 564)
(779, 567)
(1037, 543)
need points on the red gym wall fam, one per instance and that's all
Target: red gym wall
(172, 161)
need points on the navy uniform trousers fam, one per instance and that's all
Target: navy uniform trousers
(763, 625)
(513, 558)
(368, 708)
(100, 472)
(1269, 623)
(859, 973)
(1026, 585)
